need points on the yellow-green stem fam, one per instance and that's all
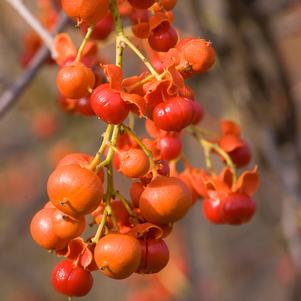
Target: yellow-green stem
(152, 70)
(131, 121)
(105, 140)
(101, 226)
(84, 43)
(112, 148)
(119, 31)
(127, 206)
(213, 146)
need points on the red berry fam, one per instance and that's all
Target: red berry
(241, 156)
(174, 114)
(212, 210)
(170, 147)
(102, 28)
(83, 107)
(163, 37)
(141, 4)
(238, 209)
(70, 280)
(108, 104)
(197, 112)
(155, 256)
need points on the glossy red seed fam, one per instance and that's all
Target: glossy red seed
(212, 210)
(198, 112)
(108, 105)
(241, 156)
(170, 147)
(238, 209)
(174, 114)
(70, 280)
(141, 4)
(102, 28)
(163, 37)
(83, 107)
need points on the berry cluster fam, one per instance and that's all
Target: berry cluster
(130, 234)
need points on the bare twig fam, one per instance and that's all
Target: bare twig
(10, 96)
(34, 23)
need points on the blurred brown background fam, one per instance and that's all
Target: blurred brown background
(257, 82)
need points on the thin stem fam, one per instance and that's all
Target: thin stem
(110, 194)
(207, 150)
(19, 6)
(119, 31)
(111, 151)
(101, 226)
(10, 96)
(202, 131)
(145, 61)
(131, 121)
(143, 147)
(125, 203)
(84, 43)
(105, 140)
(213, 146)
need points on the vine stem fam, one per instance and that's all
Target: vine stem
(152, 70)
(105, 140)
(116, 129)
(207, 150)
(143, 147)
(102, 224)
(84, 43)
(127, 206)
(119, 32)
(111, 151)
(209, 146)
(19, 6)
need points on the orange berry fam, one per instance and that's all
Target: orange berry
(75, 80)
(68, 227)
(74, 190)
(42, 230)
(118, 255)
